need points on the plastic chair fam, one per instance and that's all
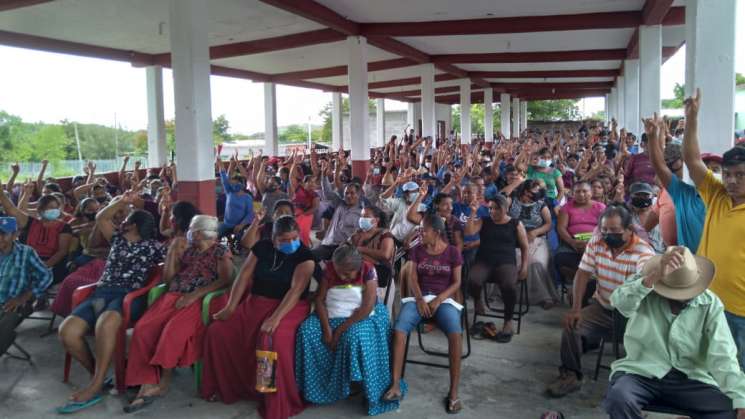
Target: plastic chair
(616, 338)
(523, 305)
(120, 356)
(157, 291)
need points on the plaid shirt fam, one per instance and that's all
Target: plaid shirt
(20, 270)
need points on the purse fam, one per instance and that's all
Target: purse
(266, 369)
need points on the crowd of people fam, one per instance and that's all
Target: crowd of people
(316, 277)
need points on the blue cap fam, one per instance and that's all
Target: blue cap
(8, 225)
(410, 186)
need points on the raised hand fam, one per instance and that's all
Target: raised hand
(15, 168)
(692, 105)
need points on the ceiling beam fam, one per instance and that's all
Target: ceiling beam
(654, 11)
(534, 57)
(341, 70)
(317, 12)
(550, 86)
(632, 48)
(399, 48)
(478, 97)
(408, 81)
(258, 46)
(544, 74)
(6, 5)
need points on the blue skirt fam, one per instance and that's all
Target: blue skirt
(361, 355)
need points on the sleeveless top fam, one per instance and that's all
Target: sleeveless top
(498, 242)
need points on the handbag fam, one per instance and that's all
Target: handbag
(266, 369)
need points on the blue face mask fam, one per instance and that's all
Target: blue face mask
(236, 187)
(190, 237)
(289, 248)
(51, 214)
(365, 223)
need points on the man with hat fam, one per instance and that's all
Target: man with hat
(401, 228)
(642, 198)
(724, 225)
(679, 350)
(22, 275)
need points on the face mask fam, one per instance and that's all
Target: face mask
(218, 190)
(365, 223)
(427, 164)
(289, 248)
(412, 197)
(544, 163)
(676, 141)
(90, 216)
(717, 176)
(190, 237)
(237, 187)
(51, 214)
(538, 195)
(272, 188)
(613, 240)
(376, 171)
(146, 191)
(641, 202)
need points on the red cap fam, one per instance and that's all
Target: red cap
(711, 157)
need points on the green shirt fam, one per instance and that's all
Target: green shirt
(696, 342)
(549, 178)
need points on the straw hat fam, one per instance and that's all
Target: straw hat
(685, 283)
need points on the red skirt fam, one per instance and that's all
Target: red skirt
(85, 275)
(230, 357)
(165, 337)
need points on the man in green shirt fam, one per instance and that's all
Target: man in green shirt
(679, 349)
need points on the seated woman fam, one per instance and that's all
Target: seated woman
(433, 282)
(346, 339)
(260, 228)
(134, 252)
(375, 243)
(306, 201)
(499, 235)
(442, 206)
(48, 235)
(267, 303)
(169, 334)
(577, 220)
(175, 218)
(527, 205)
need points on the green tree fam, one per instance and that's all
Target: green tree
(739, 79)
(326, 114)
(553, 110)
(677, 101)
(293, 134)
(477, 118)
(220, 128)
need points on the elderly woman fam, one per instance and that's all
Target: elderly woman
(433, 282)
(169, 334)
(346, 339)
(267, 303)
(48, 235)
(527, 205)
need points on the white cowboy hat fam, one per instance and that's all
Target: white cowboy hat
(685, 283)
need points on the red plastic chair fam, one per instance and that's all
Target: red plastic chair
(120, 357)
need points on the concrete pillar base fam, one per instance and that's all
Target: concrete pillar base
(200, 193)
(360, 168)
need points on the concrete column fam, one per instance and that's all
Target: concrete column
(650, 66)
(710, 66)
(157, 153)
(620, 102)
(465, 111)
(190, 60)
(631, 102)
(489, 115)
(523, 115)
(380, 123)
(607, 108)
(358, 109)
(271, 141)
(428, 111)
(337, 121)
(515, 117)
(504, 110)
(613, 104)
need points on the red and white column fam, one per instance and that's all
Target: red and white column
(157, 153)
(358, 109)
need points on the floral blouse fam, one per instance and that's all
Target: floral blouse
(129, 263)
(198, 269)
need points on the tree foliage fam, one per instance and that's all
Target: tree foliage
(477, 118)
(325, 135)
(554, 110)
(677, 101)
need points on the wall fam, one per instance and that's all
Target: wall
(395, 122)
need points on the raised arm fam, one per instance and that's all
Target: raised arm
(10, 209)
(15, 169)
(691, 152)
(413, 214)
(652, 126)
(104, 218)
(40, 178)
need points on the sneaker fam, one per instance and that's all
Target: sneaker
(567, 383)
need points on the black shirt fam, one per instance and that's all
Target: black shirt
(498, 242)
(274, 269)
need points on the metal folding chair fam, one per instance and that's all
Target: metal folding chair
(616, 338)
(523, 305)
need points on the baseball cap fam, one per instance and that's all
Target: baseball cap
(641, 187)
(410, 186)
(735, 155)
(8, 225)
(672, 153)
(711, 157)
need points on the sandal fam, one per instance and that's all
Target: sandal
(146, 401)
(391, 396)
(453, 407)
(477, 330)
(490, 331)
(72, 407)
(503, 337)
(551, 414)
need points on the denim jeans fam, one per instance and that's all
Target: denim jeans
(737, 327)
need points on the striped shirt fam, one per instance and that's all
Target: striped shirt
(22, 270)
(610, 271)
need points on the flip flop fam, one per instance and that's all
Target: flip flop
(72, 407)
(503, 337)
(146, 401)
(453, 407)
(477, 329)
(108, 383)
(394, 397)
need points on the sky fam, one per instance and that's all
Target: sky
(48, 87)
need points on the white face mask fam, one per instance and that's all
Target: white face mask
(717, 176)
